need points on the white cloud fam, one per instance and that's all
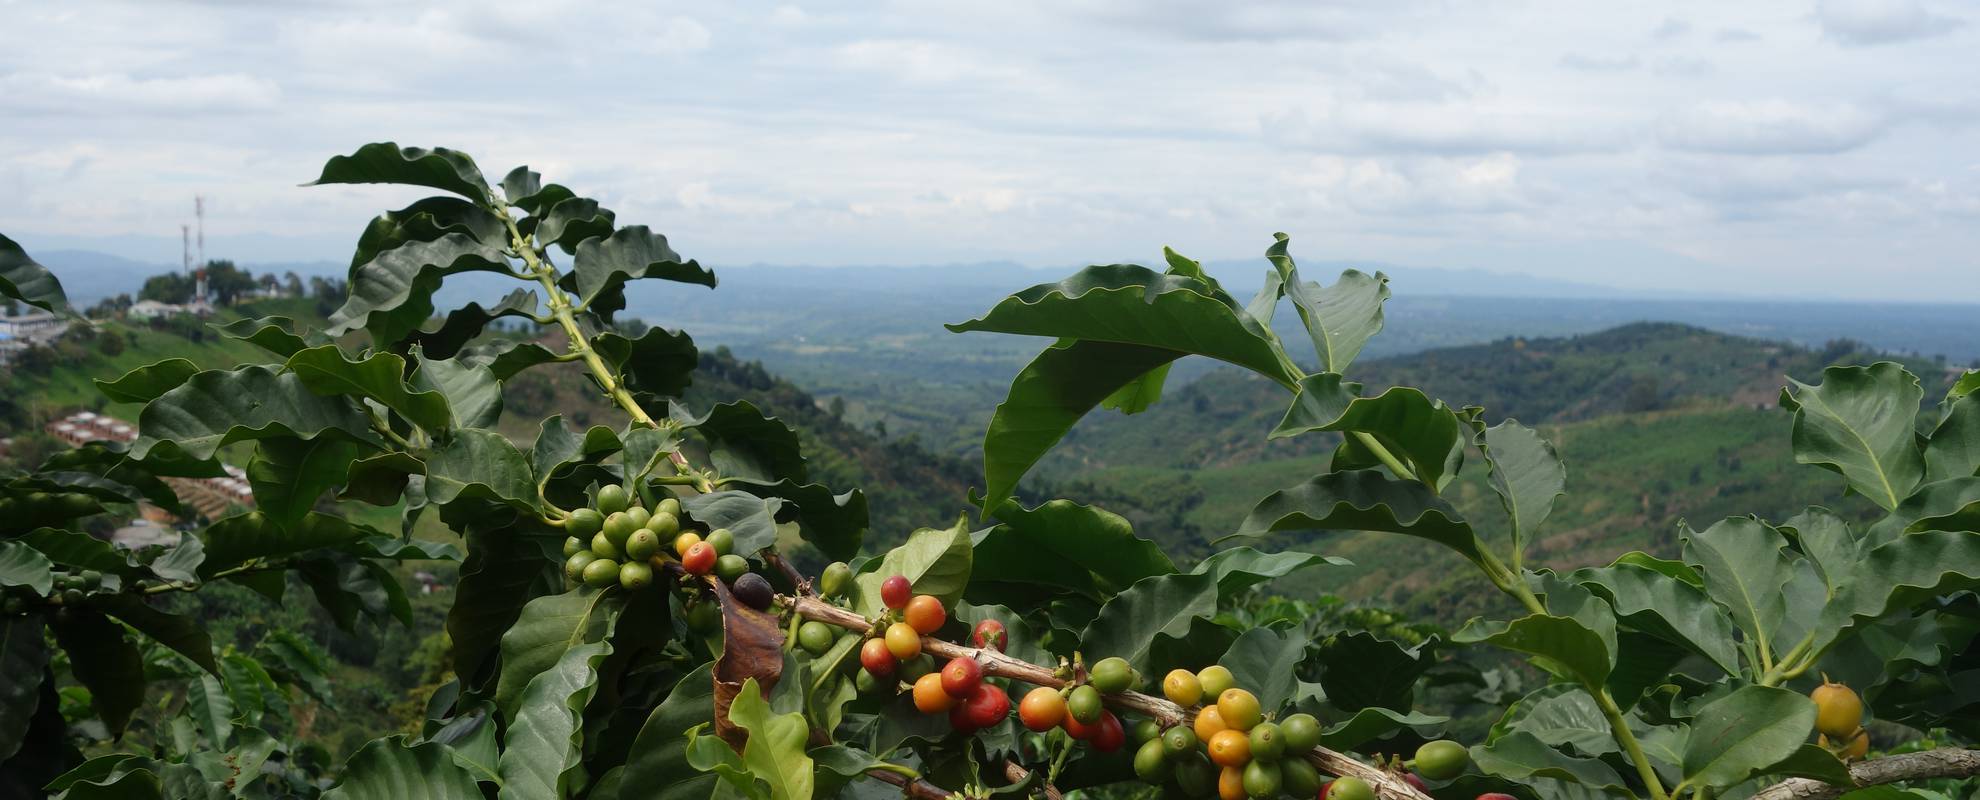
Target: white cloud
(1047, 131)
(1873, 22)
(118, 93)
(1770, 127)
(787, 15)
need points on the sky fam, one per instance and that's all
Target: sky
(1818, 148)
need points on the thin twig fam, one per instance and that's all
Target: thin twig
(1943, 763)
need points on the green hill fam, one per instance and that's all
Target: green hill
(1656, 422)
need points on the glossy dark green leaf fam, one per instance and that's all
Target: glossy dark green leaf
(1367, 671)
(236, 540)
(521, 183)
(1129, 304)
(1424, 433)
(1526, 474)
(146, 383)
(1559, 715)
(379, 376)
(1370, 724)
(392, 768)
(21, 565)
(79, 550)
(1134, 623)
(752, 519)
(545, 748)
(744, 442)
(219, 407)
(550, 625)
(481, 465)
(1520, 756)
(775, 753)
(1954, 448)
(23, 656)
(1049, 396)
(1137, 395)
(1901, 574)
(392, 295)
(463, 324)
(1571, 647)
(1669, 609)
(1814, 762)
(289, 475)
(1859, 422)
(425, 220)
(1952, 504)
(299, 661)
(183, 634)
(1827, 541)
(571, 221)
(602, 266)
(1362, 500)
(505, 568)
(1341, 318)
(26, 280)
(208, 705)
(935, 561)
(1265, 661)
(474, 395)
(1062, 533)
(557, 446)
(832, 522)
(1745, 570)
(1737, 735)
(387, 162)
(506, 358)
(273, 334)
(660, 362)
(658, 758)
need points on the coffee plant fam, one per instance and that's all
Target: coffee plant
(632, 618)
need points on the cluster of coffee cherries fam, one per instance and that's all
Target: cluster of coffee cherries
(617, 541)
(1230, 750)
(67, 589)
(1839, 720)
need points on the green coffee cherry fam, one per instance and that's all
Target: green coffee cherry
(731, 567)
(722, 540)
(664, 525)
(612, 498)
(816, 637)
(639, 517)
(618, 527)
(574, 566)
(601, 573)
(634, 575)
(602, 546)
(573, 545)
(584, 522)
(642, 545)
(668, 506)
(836, 578)
(1151, 762)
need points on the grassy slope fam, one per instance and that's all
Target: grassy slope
(1702, 440)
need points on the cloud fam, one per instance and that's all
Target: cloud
(119, 93)
(1587, 63)
(1671, 28)
(1733, 35)
(1874, 22)
(1771, 127)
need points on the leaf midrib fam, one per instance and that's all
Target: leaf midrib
(1876, 464)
